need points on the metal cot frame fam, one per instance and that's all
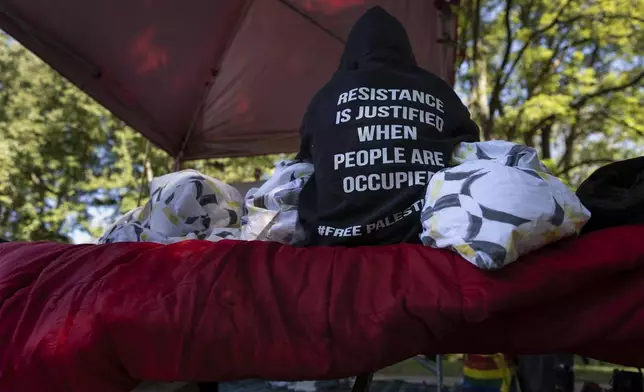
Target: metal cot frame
(363, 381)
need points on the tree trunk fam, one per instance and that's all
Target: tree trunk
(546, 132)
(479, 102)
(148, 171)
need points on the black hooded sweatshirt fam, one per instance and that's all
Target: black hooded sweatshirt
(614, 195)
(375, 133)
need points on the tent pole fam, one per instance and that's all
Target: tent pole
(448, 21)
(241, 17)
(178, 162)
(146, 172)
(439, 373)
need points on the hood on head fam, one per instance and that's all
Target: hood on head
(377, 38)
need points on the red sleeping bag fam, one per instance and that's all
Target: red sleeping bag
(101, 318)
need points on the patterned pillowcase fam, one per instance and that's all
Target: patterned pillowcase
(184, 205)
(499, 203)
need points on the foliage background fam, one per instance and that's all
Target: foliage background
(564, 76)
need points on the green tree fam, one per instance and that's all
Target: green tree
(564, 76)
(62, 154)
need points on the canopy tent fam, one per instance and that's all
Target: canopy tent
(212, 78)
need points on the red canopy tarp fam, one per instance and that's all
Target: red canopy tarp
(101, 318)
(210, 78)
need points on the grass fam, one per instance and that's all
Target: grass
(412, 368)
(599, 372)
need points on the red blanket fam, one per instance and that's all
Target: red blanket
(100, 318)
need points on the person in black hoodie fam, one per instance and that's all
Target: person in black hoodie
(375, 133)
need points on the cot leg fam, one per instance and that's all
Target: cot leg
(362, 383)
(439, 373)
(208, 386)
